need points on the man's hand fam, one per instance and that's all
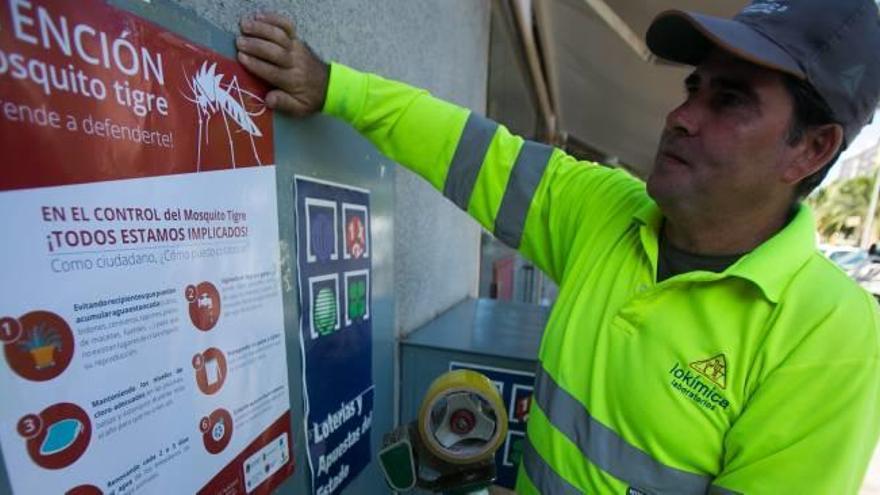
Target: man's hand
(268, 48)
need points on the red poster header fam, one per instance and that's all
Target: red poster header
(92, 93)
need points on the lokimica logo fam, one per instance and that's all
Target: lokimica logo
(701, 380)
(714, 368)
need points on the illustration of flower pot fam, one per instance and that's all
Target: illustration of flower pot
(41, 343)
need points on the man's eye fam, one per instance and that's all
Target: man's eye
(729, 99)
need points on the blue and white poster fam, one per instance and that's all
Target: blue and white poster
(333, 256)
(516, 388)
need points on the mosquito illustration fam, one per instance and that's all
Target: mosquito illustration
(211, 95)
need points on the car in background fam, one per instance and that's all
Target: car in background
(851, 261)
(868, 276)
(863, 266)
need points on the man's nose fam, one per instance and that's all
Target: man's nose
(685, 119)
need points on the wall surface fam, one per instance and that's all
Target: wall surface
(442, 46)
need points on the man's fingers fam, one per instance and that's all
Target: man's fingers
(280, 21)
(279, 100)
(266, 50)
(266, 31)
(271, 73)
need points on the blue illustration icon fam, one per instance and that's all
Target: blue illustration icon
(60, 436)
(323, 238)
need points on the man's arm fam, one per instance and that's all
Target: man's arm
(531, 196)
(810, 426)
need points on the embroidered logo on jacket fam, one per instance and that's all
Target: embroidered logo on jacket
(701, 381)
(714, 368)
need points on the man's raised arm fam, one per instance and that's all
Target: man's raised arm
(531, 196)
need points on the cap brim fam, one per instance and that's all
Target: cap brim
(688, 38)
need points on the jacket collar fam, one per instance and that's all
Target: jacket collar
(770, 266)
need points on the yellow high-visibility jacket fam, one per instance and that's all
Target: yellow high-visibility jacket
(761, 379)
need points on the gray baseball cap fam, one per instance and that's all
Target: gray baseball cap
(834, 45)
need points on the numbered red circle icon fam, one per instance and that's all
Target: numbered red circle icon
(216, 430)
(204, 305)
(58, 436)
(29, 426)
(10, 329)
(210, 369)
(38, 346)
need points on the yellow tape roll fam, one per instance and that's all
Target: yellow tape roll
(449, 385)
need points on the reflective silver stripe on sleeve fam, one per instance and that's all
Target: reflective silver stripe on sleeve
(524, 178)
(472, 147)
(606, 449)
(545, 479)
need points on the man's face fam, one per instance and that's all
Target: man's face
(723, 151)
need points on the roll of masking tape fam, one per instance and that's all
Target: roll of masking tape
(462, 419)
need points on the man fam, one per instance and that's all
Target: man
(700, 343)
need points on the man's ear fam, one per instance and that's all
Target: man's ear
(817, 147)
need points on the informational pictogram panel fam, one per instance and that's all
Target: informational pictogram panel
(333, 246)
(141, 311)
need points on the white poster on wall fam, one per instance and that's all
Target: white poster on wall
(140, 311)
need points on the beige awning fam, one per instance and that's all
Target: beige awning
(605, 93)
